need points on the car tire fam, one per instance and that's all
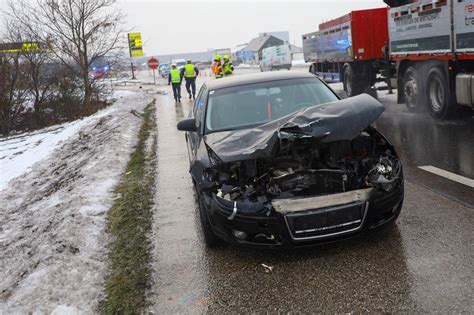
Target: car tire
(438, 99)
(413, 90)
(211, 240)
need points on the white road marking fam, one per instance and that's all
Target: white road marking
(454, 177)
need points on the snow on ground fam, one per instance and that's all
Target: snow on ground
(52, 216)
(18, 153)
(300, 63)
(244, 65)
(122, 93)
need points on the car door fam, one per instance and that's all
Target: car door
(194, 138)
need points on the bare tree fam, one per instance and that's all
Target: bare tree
(38, 82)
(78, 32)
(13, 96)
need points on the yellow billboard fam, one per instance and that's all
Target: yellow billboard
(21, 47)
(135, 44)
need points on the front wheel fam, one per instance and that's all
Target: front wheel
(210, 239)
(438, 96)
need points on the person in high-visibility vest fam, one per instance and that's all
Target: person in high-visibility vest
(190, 72)
(228, 66)
(175, 78)
(217, 67)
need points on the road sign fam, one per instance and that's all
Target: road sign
(135, 44)
(28, 47)
(153, 63)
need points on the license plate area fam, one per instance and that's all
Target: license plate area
(326, 222)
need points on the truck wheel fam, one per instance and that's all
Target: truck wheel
(412, 89)
(351, 86)
(438, 97)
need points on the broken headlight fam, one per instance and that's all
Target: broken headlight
(385, 173)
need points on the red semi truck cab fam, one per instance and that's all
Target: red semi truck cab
(349, 49)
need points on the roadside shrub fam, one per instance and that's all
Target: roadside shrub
(30, 101)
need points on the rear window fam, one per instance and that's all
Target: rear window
(250, 105)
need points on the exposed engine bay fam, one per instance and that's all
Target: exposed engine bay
(308, 167)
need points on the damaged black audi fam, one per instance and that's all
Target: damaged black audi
(279, 160)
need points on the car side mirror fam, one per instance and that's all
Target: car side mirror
(188, 124)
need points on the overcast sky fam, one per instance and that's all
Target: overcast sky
(188, 26)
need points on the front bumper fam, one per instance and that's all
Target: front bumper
(264, 228)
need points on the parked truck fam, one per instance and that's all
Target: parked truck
(425, 48)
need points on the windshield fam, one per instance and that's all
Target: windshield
(254, 104)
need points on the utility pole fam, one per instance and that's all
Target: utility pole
(133, 72)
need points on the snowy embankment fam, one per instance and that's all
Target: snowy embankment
(19, 153)
(57, 187)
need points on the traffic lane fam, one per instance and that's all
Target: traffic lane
(423, 263)
(175, 243)
(421, 141)
(424, 141)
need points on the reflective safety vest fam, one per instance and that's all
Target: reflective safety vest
(175, 76)
(218, 71)
(189, 71)
(228, 69)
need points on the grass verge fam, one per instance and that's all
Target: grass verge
(130, 222)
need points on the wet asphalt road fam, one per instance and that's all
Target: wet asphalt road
(424, 263)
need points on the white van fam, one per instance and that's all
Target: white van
(275, 58)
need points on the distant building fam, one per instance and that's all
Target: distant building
(196, 57)
(259, 43)
(283, 35)
(296, 52)
(240, 55)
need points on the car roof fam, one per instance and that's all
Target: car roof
(250, 78)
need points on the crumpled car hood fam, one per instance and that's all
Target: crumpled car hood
(335, 121)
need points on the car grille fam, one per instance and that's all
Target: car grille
(326, 222)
